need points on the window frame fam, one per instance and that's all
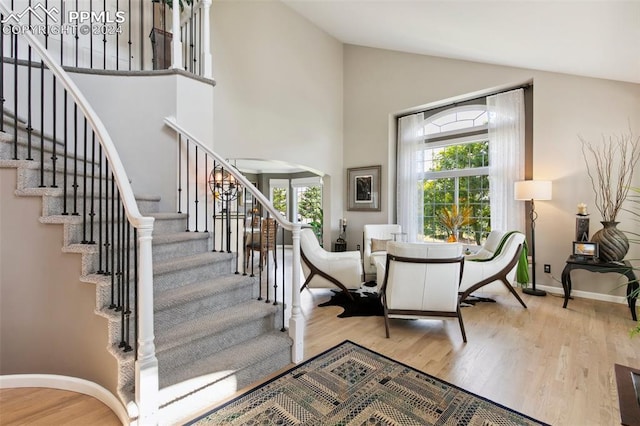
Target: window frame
(457, 137)
(281, 184)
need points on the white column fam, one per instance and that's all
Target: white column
(296, 322)
(146, 370)
(176, 41)
(206, 58)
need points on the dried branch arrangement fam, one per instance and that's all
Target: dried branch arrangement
(614, 162)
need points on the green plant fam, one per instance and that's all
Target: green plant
(634, 237)
(472, 191)
(310, 209)
(453, 219)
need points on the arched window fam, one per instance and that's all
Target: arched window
(456, 172)
(446, 159)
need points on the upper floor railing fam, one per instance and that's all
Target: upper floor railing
(117, 35)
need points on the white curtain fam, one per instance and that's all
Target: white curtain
(506, 159)
(410, 194)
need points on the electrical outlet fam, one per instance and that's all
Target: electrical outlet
(547, 269)
(358, 247)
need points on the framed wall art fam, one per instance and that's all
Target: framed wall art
(363, 189)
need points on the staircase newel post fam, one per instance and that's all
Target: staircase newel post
(147, 382)
(206, 58)
(296, 322)
(176, 41)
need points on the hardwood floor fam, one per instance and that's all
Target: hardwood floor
(554, 364)
(550, 363)
(47, 407)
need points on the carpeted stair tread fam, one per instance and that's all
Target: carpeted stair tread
(180, 295)
(7, 138)
(25, 164)
(35, 164)
(212, 324)
(168, 215)
(61, 219)
(188, 262)
(231, 360)
(59, 192)
(81, 248)
(70, 219)
(23, 140)
(208, 326)
(179, 237)
(40, 192)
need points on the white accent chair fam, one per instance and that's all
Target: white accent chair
(323, 269)
(383, 234)
(422, 281)
(497, 274)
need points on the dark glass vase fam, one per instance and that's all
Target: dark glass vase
(613, 243)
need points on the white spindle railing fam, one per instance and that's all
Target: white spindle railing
(296, 324)
(124, 45)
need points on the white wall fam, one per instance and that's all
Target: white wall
(280, 88)
(48, 323)
(194, 106)
(381, 83)
(279, 92)
(133, 107)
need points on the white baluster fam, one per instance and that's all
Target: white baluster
(176, 41)
(147, 364)
(296, 322)
(206, 58)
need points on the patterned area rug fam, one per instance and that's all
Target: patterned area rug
(352, 385)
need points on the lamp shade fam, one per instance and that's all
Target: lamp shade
(532, 190)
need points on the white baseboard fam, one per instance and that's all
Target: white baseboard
(73, 384)
(585, 294)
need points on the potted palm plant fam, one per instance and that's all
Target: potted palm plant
(452, 219)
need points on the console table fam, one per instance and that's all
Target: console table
(622, 268)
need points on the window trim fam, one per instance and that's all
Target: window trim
(462, 136)
(281, 184)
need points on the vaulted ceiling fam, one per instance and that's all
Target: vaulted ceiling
(589, 38)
